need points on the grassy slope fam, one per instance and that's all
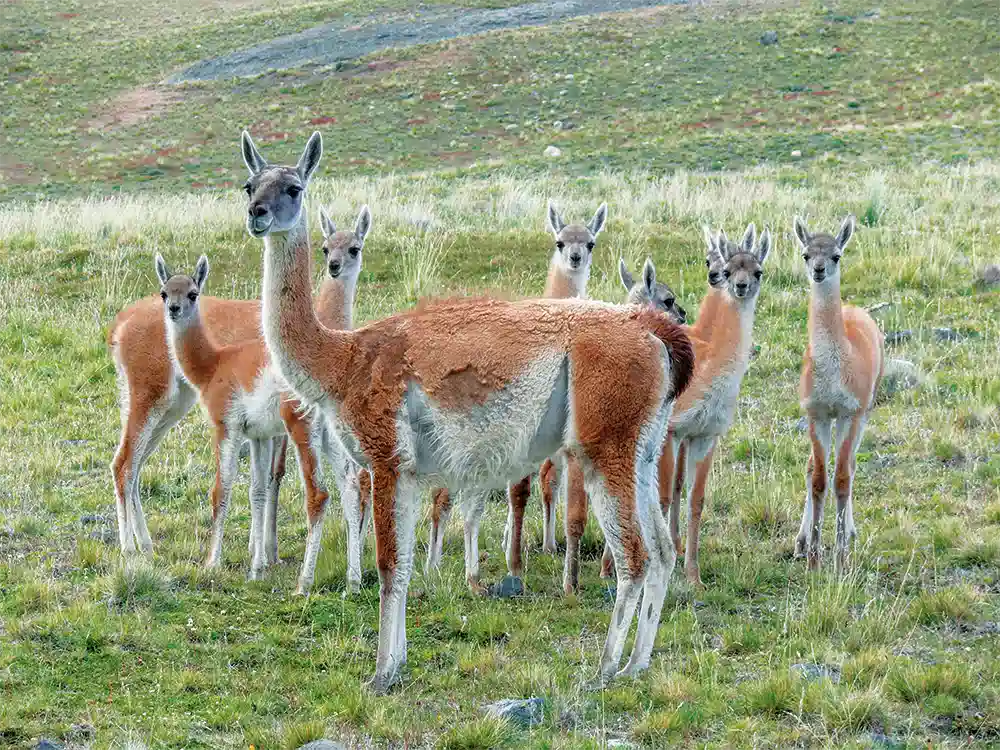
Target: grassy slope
(183, 659)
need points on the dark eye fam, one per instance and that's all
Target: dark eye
(590, 245)
(757, 274)
(805, 257)
(293, 191)
(326, 251)
(708, 263)
(836, 259)
(248, 188)
(163, 296)
(726, 273)
(668, 303)
(192, 296)
(353, 251)
(560, 244)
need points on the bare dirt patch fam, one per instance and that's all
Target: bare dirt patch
(132, 107)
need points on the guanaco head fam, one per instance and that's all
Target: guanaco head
(650, 291)
(276, 192)
(822, 252)
(575, 242)
(714, 260)
(342, 250)
(742, 265)
(180, 292)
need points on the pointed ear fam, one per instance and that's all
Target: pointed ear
(251, 156)
(363, 224)
(801, 231)
(597, 223)
(625, 275)
(310, 156)
(649, 277)
(749, 238)
(846, 231)
(162, 272)
(722, 244)
(556, 223)
(765, 245)
(326, 225)
(201, 272)
(714, 255)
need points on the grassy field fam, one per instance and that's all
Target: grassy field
(893, 112)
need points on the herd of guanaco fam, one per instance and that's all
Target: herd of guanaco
(618, 408)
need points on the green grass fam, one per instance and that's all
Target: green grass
(170, 655)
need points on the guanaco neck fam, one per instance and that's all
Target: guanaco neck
(335, 303)
(562, 285)
(312, 359)
(826, 316)
(196, 353)
(708, 312)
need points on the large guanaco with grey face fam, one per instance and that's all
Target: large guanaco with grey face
(154, 395)
(569, 271)
(473, 393)
(841, 370)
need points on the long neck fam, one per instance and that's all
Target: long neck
(335, 303)
(195, 351)
(708, 312)
(312, 359)
(562, 285)
(826, 317)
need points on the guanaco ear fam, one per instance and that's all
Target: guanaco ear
(326, 225)
(597, 223)
(709, 239)
(765, 245)
(802, 232)
(722, 244)
(714, 255)
(201, 272)
(625, 275)
(310, 156)
(251, 156)
(649, 277)
(556, 223)
(162, 272)
(749, 238)
(363, 224)
(846, 231)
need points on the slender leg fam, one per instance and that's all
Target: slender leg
(440, 512)
(279, 450)
(124, 468)
(394, 509)
(227, 454)
(576, 523)
(808, 540)
(849, 432)
(473, 504)
(260, 469)
(675, 487)
(700, 454)
(365, 496)
(306, 440)
(517, 500)
(549, 480)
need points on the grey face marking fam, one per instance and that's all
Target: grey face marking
(276, 192)
(575, 242)
(822, 252)
(740, 266)
(180, 292)
(650, 291)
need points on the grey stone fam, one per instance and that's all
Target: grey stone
(524, 713)
(507, 588)
(768, 38)
(898, 337)
(990, 275)
(322, 745)
(44, 743)
(813, 672)
(900, 375)
(106, 535)
(90, 518)
(947, 334)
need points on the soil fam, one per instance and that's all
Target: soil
(347, 40)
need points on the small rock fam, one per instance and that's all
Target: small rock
(802, 425)
(898, 337)
(507, 588)
(796, 154)
(44, 743)
(768, 38)
(990, 275)
(552, 151)
(90, 518)
(947, 334)
(322, 745)
(812, 672)
(105, 535)
(557, 125)
(900, 375)
(511, 126)
(522, 713)
(877, 308)
(81, 732)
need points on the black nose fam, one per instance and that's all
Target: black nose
(257, 210)
(713, 277)
(335, 268)
(174, 309)
(742, 287)
(575, 258)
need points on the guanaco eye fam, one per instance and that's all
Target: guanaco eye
(560, 244)
(836, 259)
(590, 245)
(805, 257)
(326, 251)
(757, 274)
(293, 190)
(353, 251)
(708, 263)
(163, 296)
(248, 188)
(668, 303)
(192, 296)
(726, 273)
